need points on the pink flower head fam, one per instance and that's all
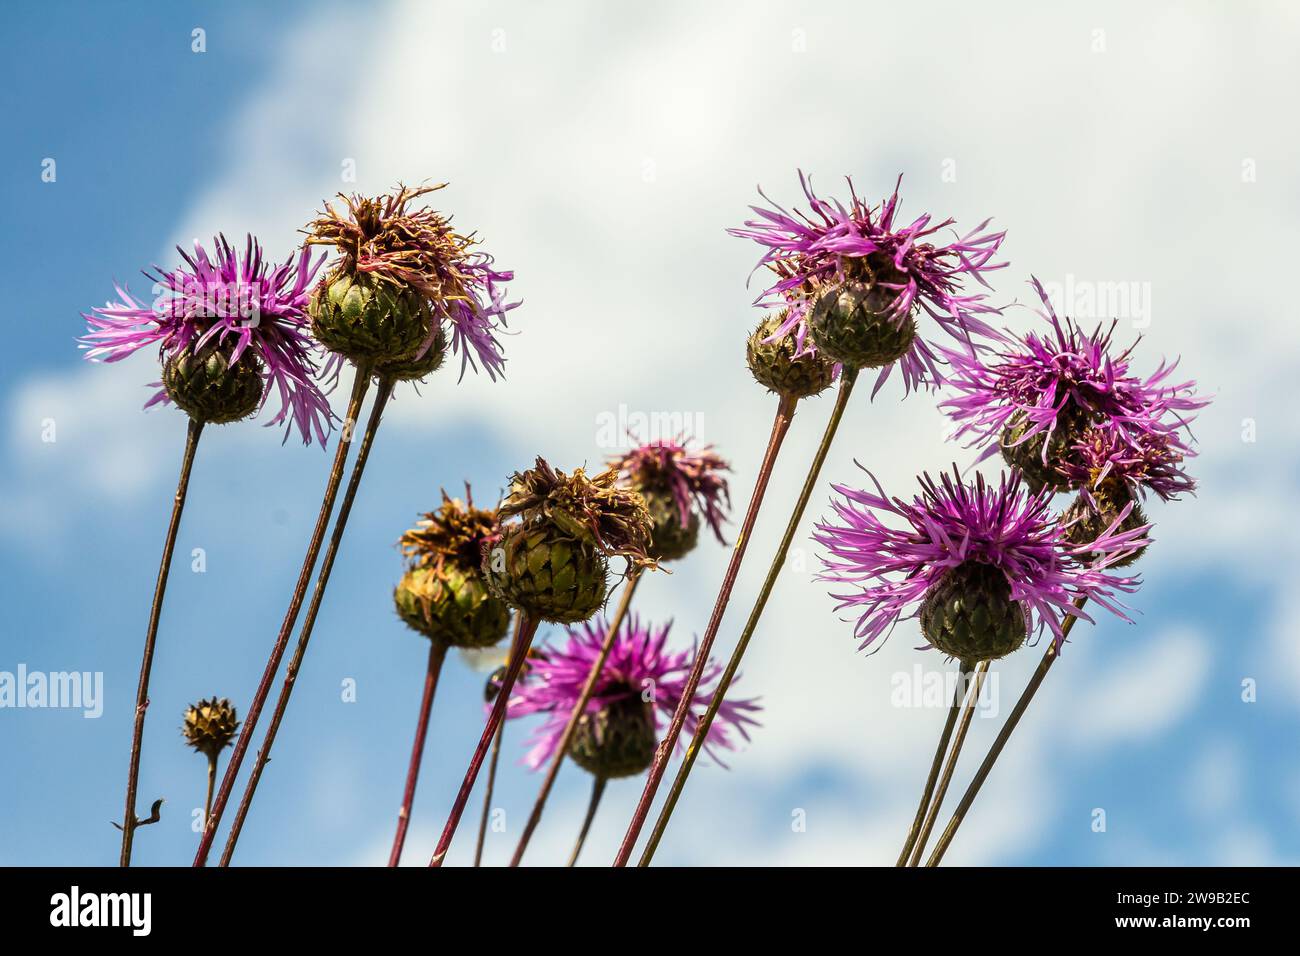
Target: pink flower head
(228, 298)
(1135, 425)
(892, 551)
(638, 664)
(809, 253)
(694, 478)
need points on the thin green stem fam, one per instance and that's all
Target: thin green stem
(780, 426)
(359, 386)
(579, 708)
(968, 711)
(937, 765)
(129, 818)
(848, 377)
(597, 789)
(382, 393)
(1049, 658)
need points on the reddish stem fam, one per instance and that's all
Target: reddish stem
(579, 708)
(382, 394)
(129, 820)
(780, 425)
(437, 654)
(359, 386)
(518, 653)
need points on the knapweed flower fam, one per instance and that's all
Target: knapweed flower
(443, 595)
(230, 329)
(1067, 412)
(401, 273)
(640, 686)
(553, 562)
(851, 281)
(679, 487)
(982, 566)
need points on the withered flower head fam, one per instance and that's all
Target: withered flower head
(443, 594)
(591, 510)
(210, 726)
(384, 240)
(457, 532)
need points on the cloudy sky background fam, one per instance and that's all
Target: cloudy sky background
(601, 152)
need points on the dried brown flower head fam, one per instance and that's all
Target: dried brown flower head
(457, 532)
(593, 510)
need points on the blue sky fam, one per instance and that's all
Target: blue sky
(601, 153)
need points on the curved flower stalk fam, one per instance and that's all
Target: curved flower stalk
(552, 564)
(854, 287)
(230, 330)
(639, 688)
(404, 284)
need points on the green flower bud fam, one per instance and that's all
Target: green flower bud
(669, 541)
(969, 614)
(362, 318)
(208, 388)
(451, 605)
(853, 323)
(774, 366)
(549, 575)
(617, 741)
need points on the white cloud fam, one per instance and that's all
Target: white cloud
(1142, 693)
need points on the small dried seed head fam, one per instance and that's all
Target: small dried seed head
(210, 726)
(616, 741)
(208, 388)
(969, 614)
(775, 367)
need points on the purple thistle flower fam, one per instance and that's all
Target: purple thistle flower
(1045, 381)
(951, 523)
(638, 666)
(226, 298)
(1151, 459)
(693, 478)
(813, 252)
